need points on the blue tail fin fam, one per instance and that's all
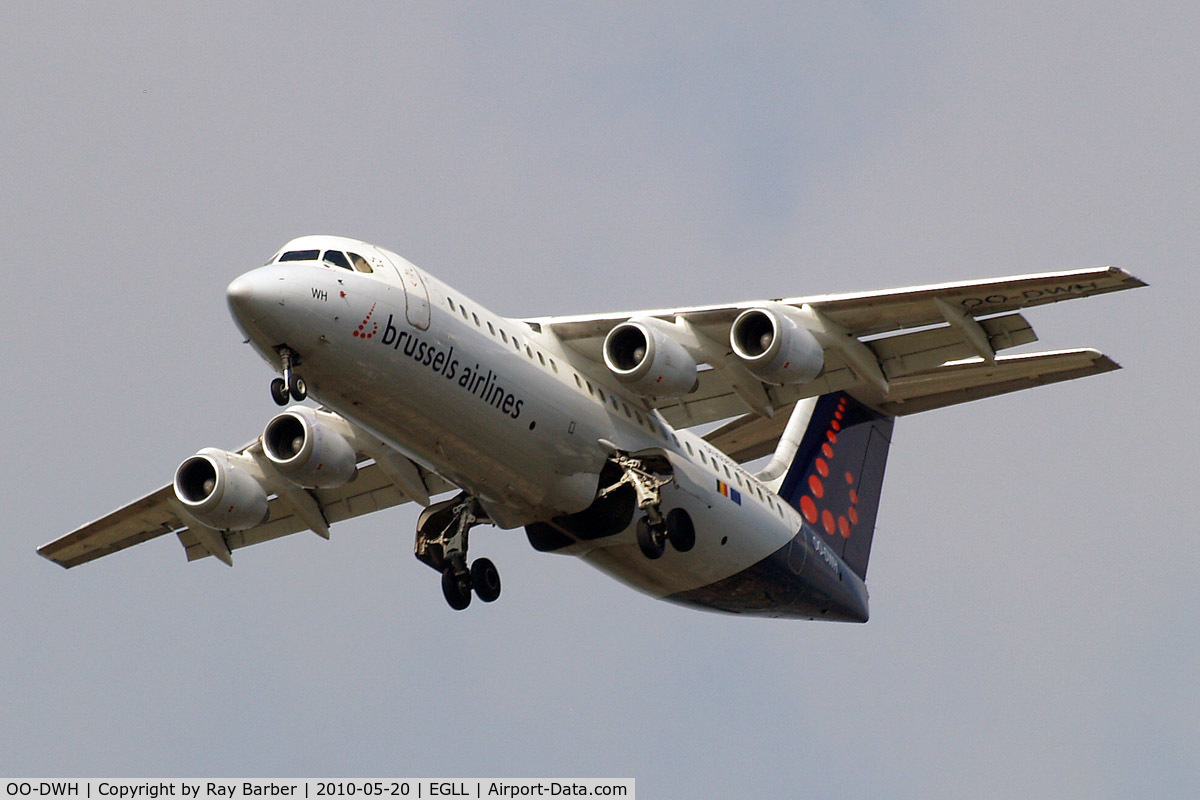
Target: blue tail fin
(836, 472)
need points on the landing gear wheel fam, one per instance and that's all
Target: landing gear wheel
(681, 533)
(486, 580)
(279, 392)
(297, 387)
(457, 589)
(651, 539)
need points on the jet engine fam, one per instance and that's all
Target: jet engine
(307, 451)
(649, 361)
(219, 493)
(774, 348)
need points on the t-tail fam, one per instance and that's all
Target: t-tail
(829, 466)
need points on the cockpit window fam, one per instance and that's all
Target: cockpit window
(337, 259)
(301, 255)
(360, 263)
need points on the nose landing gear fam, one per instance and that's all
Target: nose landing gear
(442, 544)
(291, 384)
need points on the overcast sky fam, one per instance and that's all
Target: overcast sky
(1034, 582)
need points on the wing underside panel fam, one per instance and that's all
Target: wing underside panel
(369, 491)
(869, 338)
(159, 513)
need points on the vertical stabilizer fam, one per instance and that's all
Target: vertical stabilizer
(829, 466)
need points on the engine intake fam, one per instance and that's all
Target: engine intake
(774, 348)
(647, 360)
(220, 494)
(308, 452)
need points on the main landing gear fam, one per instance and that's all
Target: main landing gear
(442, 544)
(653, 530)
(676, 528)
(291, 384)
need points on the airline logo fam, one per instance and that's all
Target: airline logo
(489, 388)
(361, 331)
(837, 496)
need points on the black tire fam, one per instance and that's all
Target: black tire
(298, 388)
(486, 580)
(650, 541)
(681, 533)
(456, 590)
(279, 392)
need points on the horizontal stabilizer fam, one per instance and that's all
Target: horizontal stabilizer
(974, 380)
(750, 436)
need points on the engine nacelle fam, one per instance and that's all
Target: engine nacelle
(220, 494)
(774, 348)
(308, 452)
(649, 361)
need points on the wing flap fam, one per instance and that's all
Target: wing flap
(908, 353)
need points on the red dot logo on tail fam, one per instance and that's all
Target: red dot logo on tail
(843, 523)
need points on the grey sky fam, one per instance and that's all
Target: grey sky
(1034, 577)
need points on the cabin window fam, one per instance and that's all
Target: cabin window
(450, 300)
(300, 255)
(689, 449)
(503, 336)
(553, 366)
(475, 317)
(541, 358)
(359, 263)
(491, 329)
(463, 309)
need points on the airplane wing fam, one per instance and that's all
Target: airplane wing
(875, 343)
(384, 479)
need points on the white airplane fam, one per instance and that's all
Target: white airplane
(576, 428)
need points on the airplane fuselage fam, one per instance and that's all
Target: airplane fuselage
(517, 420)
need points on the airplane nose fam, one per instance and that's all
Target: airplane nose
(240, 291)
(247, 296)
